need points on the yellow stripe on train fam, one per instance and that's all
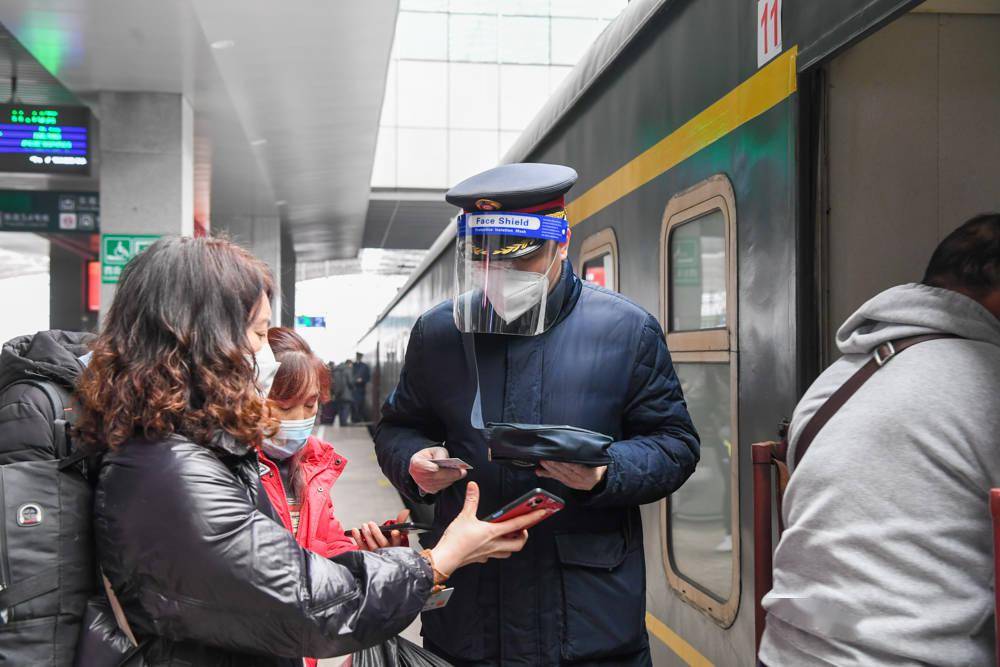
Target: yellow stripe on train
(762, 91)
(675, 642)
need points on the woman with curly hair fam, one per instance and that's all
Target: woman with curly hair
(205, 573)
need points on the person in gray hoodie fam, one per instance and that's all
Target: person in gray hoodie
(887, 554)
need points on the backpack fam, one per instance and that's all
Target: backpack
(47, 559)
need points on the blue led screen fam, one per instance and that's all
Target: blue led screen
(44, 139)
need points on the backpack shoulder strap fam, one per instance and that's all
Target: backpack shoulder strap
(883, 353)
(62, 413)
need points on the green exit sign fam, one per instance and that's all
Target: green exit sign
(117, 250)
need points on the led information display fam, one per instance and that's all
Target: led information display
(51, 140)
(310, 321)
(44, 211)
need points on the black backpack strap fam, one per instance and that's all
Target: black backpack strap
(30, 588)
(62, 414)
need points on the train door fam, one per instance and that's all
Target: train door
(910, 149)
(700, 521)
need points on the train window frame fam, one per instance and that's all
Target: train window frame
(599, 244)
(705, 346)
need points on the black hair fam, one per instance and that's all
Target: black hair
(969, 257)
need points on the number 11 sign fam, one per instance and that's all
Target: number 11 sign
(768, 30)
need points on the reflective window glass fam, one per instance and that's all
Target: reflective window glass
(521, 94)
(572, 37)
(607, 9)
(422, 36)
(474, 6)
(389, 101)
(600, 270)
(425, 5)
(422, 158)
(524, 39)
(472, 38)
(700, 511)
(472, 96)
(507, 140)
(384, 168)
(698, 273)
(470, 152)
(422, 90)
(525, 7)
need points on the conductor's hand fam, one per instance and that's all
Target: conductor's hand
(573, 475)
(469, 540)
(428, 475)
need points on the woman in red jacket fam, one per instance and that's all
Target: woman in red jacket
(297, 468)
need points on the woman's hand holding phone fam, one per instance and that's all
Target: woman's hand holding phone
(370, 536)
(469, 540)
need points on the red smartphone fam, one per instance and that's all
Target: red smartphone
(536, 499)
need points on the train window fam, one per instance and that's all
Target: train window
(599, 259)
(698, 306)
(698, 273)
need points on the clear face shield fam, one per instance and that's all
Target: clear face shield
(503, 261)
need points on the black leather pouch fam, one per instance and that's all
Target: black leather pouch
(524, 445)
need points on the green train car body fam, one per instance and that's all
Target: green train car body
(670, 111)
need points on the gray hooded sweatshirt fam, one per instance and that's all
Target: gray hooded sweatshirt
(887, 555)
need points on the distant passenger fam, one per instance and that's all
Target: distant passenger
(579, 383)
(203, 569)
(887, 558)
(362, 375)
(343, 391)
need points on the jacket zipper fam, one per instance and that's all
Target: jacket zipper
(4, 547)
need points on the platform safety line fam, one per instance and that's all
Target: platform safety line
(676, 643)
(767, 88)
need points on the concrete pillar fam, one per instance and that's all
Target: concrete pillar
(147, 167)
(261, 235)
(287, 280)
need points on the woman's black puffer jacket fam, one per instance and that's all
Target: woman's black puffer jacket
(207, 578)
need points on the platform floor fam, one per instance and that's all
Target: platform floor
(362, 493)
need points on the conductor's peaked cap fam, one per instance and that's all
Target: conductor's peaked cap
(513, 187)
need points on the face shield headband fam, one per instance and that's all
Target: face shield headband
(502, 264)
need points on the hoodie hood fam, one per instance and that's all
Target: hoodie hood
(916, 309)
(53, 355)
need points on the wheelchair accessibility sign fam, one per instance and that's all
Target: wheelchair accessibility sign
(117, 250)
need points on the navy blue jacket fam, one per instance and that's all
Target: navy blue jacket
(576, 594)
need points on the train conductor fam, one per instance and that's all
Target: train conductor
(538, 379)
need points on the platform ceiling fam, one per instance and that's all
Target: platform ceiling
(286, 95)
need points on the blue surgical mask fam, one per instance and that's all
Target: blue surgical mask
(291, 437)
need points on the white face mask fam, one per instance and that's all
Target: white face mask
(267, 368)
(291, 437)
(519, 292)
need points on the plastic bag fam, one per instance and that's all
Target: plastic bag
(396, 652)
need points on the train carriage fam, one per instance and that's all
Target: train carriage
(751, 171)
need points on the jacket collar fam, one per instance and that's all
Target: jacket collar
(319, 456)
(563, 298)
(224, 443)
